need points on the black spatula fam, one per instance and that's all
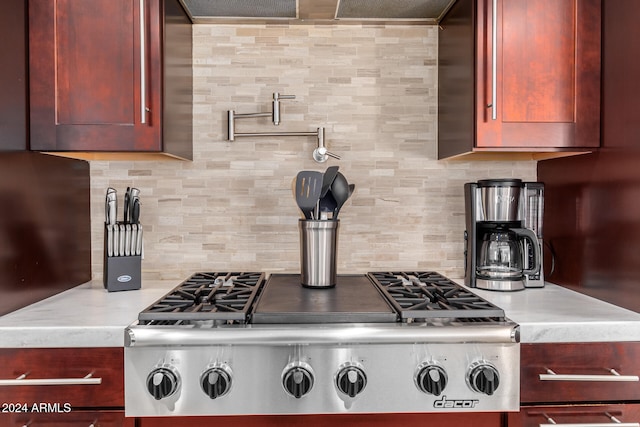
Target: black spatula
(307, 191)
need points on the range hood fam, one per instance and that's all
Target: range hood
(310, 11)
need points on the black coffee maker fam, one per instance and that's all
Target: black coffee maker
(503, 236)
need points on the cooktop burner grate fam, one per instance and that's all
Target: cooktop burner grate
(428, 295)
(220, 297)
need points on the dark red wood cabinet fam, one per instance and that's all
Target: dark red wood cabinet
(65, 404)
(519, 76)
(592, 208)
(72, 419)
(110, 76)
(13, 76)
(586, 415)
(573, 399)
(344, 420)
(63, 364)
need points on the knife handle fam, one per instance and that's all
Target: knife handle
(114, 239)
(127, 204)
(127, 240)
(135, 210)
(109, 240)
(134, 237)
(139, 240)
(121, 239)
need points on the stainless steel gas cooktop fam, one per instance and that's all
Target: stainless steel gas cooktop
(376, 297)
(239, 343)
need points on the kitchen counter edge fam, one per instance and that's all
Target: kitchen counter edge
(89, 316)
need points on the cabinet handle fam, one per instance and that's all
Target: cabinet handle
(21, 380)
(93, 424)
(614, 423)
(143, 66)
(494, 60)
(614, 377)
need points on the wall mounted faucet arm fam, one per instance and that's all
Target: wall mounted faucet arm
(320, 154)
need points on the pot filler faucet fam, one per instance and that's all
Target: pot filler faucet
(320, 154)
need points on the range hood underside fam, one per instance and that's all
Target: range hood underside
(424, 12)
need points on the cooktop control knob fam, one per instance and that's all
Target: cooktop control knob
(351, 380)
(431, 378)
(483, 377)
(297, 379)
(163, 382)
(216, 380)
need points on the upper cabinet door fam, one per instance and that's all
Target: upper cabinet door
(546, 72)
(95, 75)
(519, 76)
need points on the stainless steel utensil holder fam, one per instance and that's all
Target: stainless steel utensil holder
(120, 272)
(318, 252)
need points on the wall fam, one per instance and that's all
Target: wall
(373, 88)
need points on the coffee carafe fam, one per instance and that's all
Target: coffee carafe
(501, 256)
(503, 238)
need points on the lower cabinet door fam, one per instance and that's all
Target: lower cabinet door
(70, 419)
(342, 420)
(576, 415)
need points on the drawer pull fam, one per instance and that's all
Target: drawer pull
(93, 424)
(614, 377)
(23, 380)
(615, 423)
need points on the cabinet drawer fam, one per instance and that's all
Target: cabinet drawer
(588, 415)
(72, 419)
(585, 372)
(63, 372)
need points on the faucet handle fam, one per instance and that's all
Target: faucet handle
(321, 155)
(277, 96)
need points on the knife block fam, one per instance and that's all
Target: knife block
(121, 273)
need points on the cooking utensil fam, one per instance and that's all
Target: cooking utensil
(127, 204)
(135, 211)
(111, 206)
(308, 189)
(130, 197)
(327, 179)
(111, 211)
(116, 239)
(121, 239)
(352, 187)
(109, 240)
(327, 205)
(134, 237)
(340, 192)
(139, 240)
(127, 240)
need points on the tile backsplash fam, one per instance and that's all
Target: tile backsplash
(373, 89)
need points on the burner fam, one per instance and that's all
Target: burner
(225, 297)
(427, 295)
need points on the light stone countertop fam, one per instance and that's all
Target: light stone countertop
(84, 316)
(557, 314)
(89, 316)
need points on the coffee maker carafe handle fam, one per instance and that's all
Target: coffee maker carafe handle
(529, 235)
